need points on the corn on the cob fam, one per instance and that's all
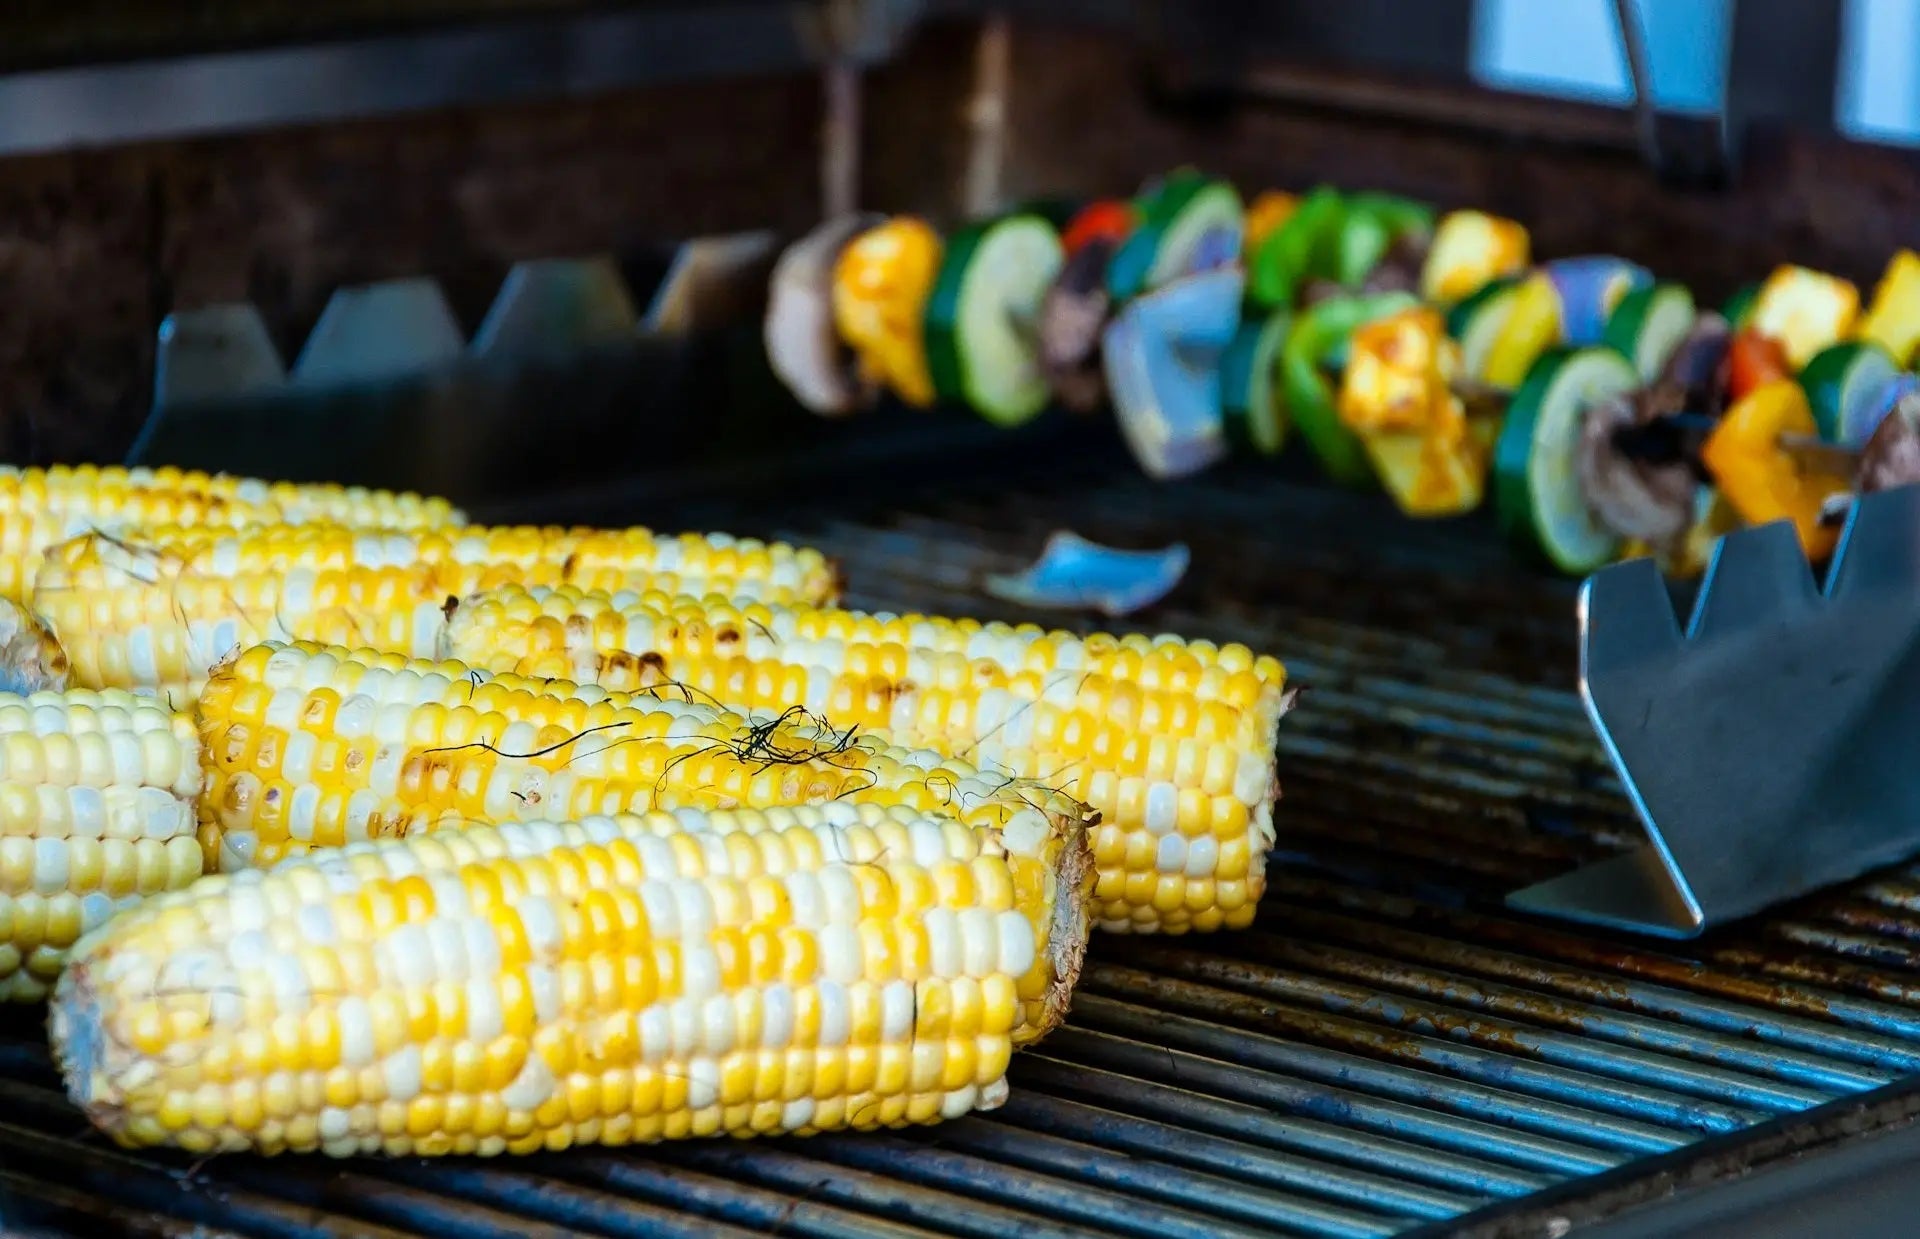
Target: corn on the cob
(540, 985)
(309, 747)
(31, 661)
(96, 810)
(1171, 741)
(42, 507)
(157, 610)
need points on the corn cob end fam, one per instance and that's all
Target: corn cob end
(1072, 923)
(31, 661)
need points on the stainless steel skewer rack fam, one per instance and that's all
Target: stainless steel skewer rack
(1767, 749)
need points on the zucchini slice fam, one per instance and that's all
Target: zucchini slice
(1738, 306)
(1190, 224)
(1843, 383)
(1537, 493)
(1252, 403)
(1476, 323)
(983, 343)
(1648, 325)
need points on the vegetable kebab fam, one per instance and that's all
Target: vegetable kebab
(1604, 410)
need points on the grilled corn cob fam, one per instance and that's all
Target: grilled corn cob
(312, 747)
(1171, 741)
(158, 610)
(309, 746)
(540, 985)
(96, 810)
(42, 507)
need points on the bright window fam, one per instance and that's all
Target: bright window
(1572, 49)
(1879, 94)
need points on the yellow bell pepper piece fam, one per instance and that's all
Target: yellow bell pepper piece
(1437, 474)
(1531, 328)
(1470, 248)
(1804, 310)
(1764, 481)
(1267, 212)
(1894, 321)
(1396, 394)
(1394, 376)
(880, 288)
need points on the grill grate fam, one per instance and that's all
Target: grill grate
(1385, 1050)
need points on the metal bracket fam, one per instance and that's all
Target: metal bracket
(1675, 152)
(1768, 751)
(844, 36)
(863, 32)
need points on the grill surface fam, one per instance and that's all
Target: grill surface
(1386, 1051)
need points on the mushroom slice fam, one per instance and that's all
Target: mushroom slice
(1892, 455)
(1695, 366)
(1072, 317)
(1648, 500)
(802, 345)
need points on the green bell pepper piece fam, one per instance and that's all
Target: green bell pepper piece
(1299, 249)
(1319, 338)
(1373, 223)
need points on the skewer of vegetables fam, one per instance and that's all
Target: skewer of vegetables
(1404, 348)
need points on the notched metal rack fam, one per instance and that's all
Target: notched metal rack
(1767, 749)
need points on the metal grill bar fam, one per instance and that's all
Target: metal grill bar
(1324, 1142)
(1498, 1074)
(1386, 1051)
(1142, 1137)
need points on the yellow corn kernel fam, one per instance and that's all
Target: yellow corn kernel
(96, 811)
(1170, 740)
(249, 963)
(156, 610)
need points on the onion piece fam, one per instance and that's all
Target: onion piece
(1892, 454)
(1072, 316)
(1590, 287)
(1075, 574)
